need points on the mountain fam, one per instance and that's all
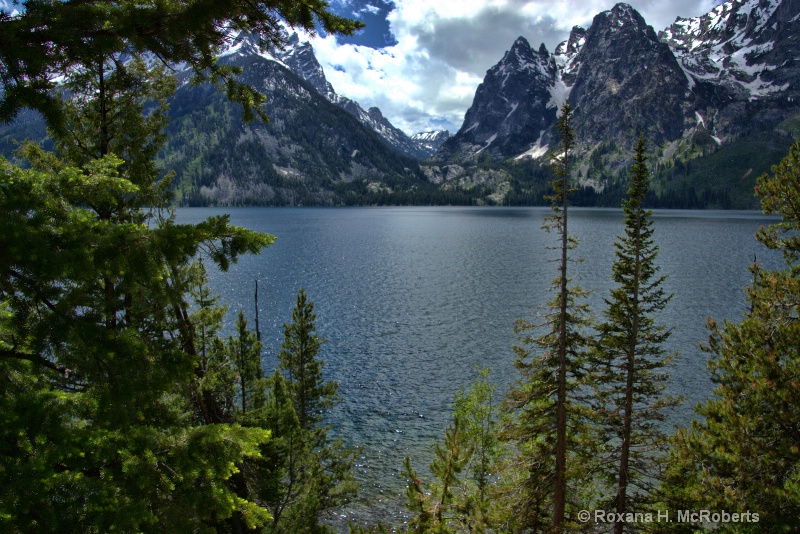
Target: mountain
(741, 62)
(299, 57)
(619, 78)
(628, 82)
(318, 147)
(312, 151)
(431, 141)
(8, 6)
(716, 96)
(513, 108)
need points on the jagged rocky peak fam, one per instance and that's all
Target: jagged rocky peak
(566, 53)
(520, 51)
(621, 18)
(628, 82)
(732, 23)
(573, 45)
(511, 107)
(521, 57)
(375, 113)
(745, 48)
(299, 57)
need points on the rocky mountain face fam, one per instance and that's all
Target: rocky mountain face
(312, 151)
(628, 81)
(741, 61)
(513, 108)
(299, 57)
(700, 87)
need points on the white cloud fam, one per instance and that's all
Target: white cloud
(444, 48)
(369, 8)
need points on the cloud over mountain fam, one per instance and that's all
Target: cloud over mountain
(423, 73)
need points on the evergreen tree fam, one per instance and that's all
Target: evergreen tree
(304, 473)
(214, 383)
(744, 455)
(310, 392)
(546, 422)
(245, 351)
(98, 354)
(459, 502)
(98, 340)
(629, 358)
(116, 397)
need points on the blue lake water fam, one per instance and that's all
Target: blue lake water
(413, 300)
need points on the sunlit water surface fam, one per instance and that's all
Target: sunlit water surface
(413, 300)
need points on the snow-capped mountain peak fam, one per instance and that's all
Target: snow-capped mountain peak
(738, 45)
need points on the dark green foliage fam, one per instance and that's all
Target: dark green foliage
(310, 393)
(628, 359)
(118, 397)
(744, 454)
(303, 472)
(245, 351)
(97, 363)
(722, 179)
(546, 414)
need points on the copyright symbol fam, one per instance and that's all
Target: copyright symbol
(584, 516)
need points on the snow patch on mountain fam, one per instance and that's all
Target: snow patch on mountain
(559, 93)
(724, 45)
(537, 150)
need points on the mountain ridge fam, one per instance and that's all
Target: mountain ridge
(717, 96)
(701, 84)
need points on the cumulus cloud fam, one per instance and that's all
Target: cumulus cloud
(442, 50)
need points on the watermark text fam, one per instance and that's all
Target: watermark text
(705, 517)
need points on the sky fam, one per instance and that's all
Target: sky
(420, 61)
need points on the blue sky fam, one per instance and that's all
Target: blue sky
(420, 61)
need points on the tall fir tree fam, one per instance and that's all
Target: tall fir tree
(743, 455)
(245, 352)
(546, 424)
(629, 360)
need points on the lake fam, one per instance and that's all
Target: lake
(413, 300)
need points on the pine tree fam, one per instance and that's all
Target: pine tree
(214, 383)
(298, 358)
(546, 414)
(305, 472)
(245, 352)
(744, 456)
(98, 381)
(461, 498)
(108, 401)
(116, 396)
(629, 359)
